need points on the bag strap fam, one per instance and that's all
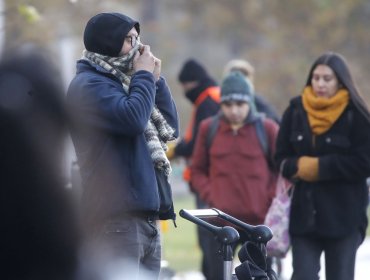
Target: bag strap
(263, 140)
(283, 185)
(262, 136)
(212, 130)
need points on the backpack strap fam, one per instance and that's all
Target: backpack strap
(263, 140)
(212, 129)
(262, 136)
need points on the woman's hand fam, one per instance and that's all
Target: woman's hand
(308, 169)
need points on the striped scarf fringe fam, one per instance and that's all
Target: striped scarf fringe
(158, 132)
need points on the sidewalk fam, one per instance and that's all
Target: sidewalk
(362, 266)
(362, 270)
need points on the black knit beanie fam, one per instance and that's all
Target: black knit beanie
(105, 33)
(192, 71)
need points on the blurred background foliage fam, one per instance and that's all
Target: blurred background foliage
(280, 38)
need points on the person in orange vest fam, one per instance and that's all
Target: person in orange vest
(204, 93)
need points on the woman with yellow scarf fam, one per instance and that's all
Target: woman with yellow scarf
(323, 147)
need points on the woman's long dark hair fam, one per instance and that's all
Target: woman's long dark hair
(339, 65)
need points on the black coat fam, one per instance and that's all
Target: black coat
(335, 205)
(207, 108)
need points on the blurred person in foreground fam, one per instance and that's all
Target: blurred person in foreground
(125, 114)
(40, 235)
(262, 106)
(324, 147)
(204, 94)
(232, 172)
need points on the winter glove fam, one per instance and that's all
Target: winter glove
(308, 168)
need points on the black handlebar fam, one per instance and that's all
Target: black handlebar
(259, 233)
(226, 235)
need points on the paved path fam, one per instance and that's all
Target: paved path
(362, 270)
(362, 266)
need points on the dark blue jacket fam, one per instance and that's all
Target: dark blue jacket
(116, 166)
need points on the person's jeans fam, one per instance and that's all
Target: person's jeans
(125, 248)
(340, 257)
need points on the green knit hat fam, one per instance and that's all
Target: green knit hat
(236, 87)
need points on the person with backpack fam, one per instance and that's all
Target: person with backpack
(262, 105)
(232, 167)
(324, 147)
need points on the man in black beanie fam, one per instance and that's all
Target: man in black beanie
(204, 93)
(124, 115)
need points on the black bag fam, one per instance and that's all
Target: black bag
(253, 263)
(166, 209)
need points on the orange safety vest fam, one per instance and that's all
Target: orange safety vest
(215, 94)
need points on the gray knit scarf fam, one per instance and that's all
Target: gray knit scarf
(158, 132)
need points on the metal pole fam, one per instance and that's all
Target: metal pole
(228, 255)
(228, 269)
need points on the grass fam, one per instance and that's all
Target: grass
(179, 245)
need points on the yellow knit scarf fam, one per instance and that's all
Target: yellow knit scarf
(323, 112)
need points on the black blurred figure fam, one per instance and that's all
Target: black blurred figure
(39, 236)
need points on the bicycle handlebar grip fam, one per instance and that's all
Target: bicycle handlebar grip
(262, 234)
(259, 233)
(228, 235)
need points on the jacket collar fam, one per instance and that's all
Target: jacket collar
(251, 118)
(85, 65)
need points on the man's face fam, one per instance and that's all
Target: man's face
(130, 41)
(235, 111)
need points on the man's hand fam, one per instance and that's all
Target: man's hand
(145, 60)
(171, 150)
(157, 68)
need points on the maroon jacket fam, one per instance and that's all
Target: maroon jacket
(233, 174)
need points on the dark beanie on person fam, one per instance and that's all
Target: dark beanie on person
(105, 33)
(236, 87)
(192, 71)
